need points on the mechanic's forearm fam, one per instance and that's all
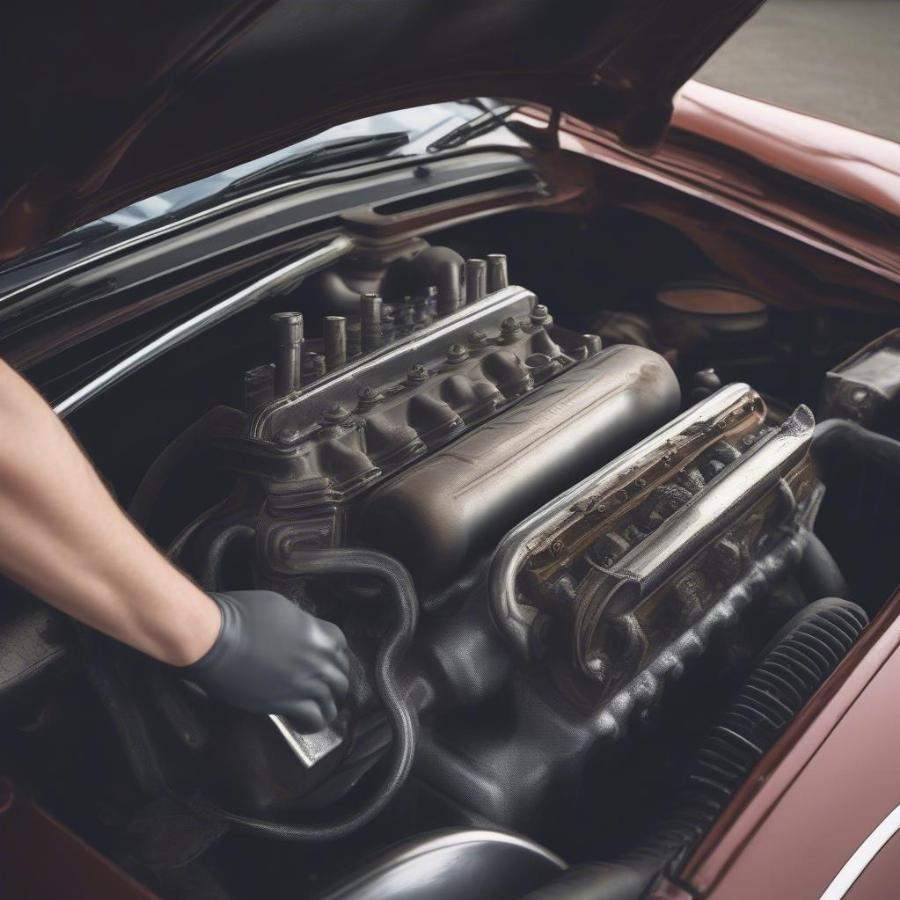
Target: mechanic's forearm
(64, 538)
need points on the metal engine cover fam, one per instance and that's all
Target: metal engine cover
(627, 572)
(453, 507)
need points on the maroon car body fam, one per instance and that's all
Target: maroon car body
(148, 97)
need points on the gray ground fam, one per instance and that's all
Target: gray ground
(837, 59)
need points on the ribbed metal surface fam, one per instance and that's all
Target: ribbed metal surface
(799, 659)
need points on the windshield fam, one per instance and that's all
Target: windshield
(420, 128)
(412, 132)
(423, 124)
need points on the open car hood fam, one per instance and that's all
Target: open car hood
(105, 102)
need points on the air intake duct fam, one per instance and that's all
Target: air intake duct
(797, 661)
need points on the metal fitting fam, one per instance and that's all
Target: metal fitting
(416, 374)
(448, 288)
(476, 280)
(334, 331)
(370, 322)
(497, 274)
(334, 414)
(510, 329)
(288, 333)
(368, 397)
(457, 353)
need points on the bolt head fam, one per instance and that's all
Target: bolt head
(369, 396)
(334, 413)
(417, 374)
(509, 326)
(457, 353)
(287, 436)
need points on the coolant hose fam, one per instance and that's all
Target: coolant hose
(818, 573)
(834, 438)
(404, 723)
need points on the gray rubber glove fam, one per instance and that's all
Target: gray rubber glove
(272, 657)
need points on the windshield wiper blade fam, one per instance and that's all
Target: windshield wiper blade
(337, 151)
(483, 124)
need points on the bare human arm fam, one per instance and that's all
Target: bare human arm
(64, 538)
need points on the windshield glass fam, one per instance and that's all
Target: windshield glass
(430, 121)
(422, 126)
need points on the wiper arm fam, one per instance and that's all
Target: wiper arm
(337, 151)
(482, 124)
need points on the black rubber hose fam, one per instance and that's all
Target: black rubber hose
(819, 575)
(215, 553)
(791, 668)
(404, 722)
(835, 439)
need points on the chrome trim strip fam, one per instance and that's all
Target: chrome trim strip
(276, 191)
(282, 278)
(865, 853)
(465, 837)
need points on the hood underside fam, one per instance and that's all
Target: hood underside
(105, 103)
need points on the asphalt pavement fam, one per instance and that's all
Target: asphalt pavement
(836, 59)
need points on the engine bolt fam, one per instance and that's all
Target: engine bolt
(334, 413)
(368, 396)
(287, 437)
(416, 374)
(457, 353)
(477, 338)
(540, 315)
(510, 328)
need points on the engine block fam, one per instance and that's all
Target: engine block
(315, 450)
(427, 443)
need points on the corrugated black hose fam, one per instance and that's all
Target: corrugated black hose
(796, 662)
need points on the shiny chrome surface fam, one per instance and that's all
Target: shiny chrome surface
(454, 864)
(719, 505)
(514, 549)
(864, 854)
(285, 277)
(308, 748)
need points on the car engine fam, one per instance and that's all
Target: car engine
(525, 533)
(596, 518)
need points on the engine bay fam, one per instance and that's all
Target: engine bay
(556, 538)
